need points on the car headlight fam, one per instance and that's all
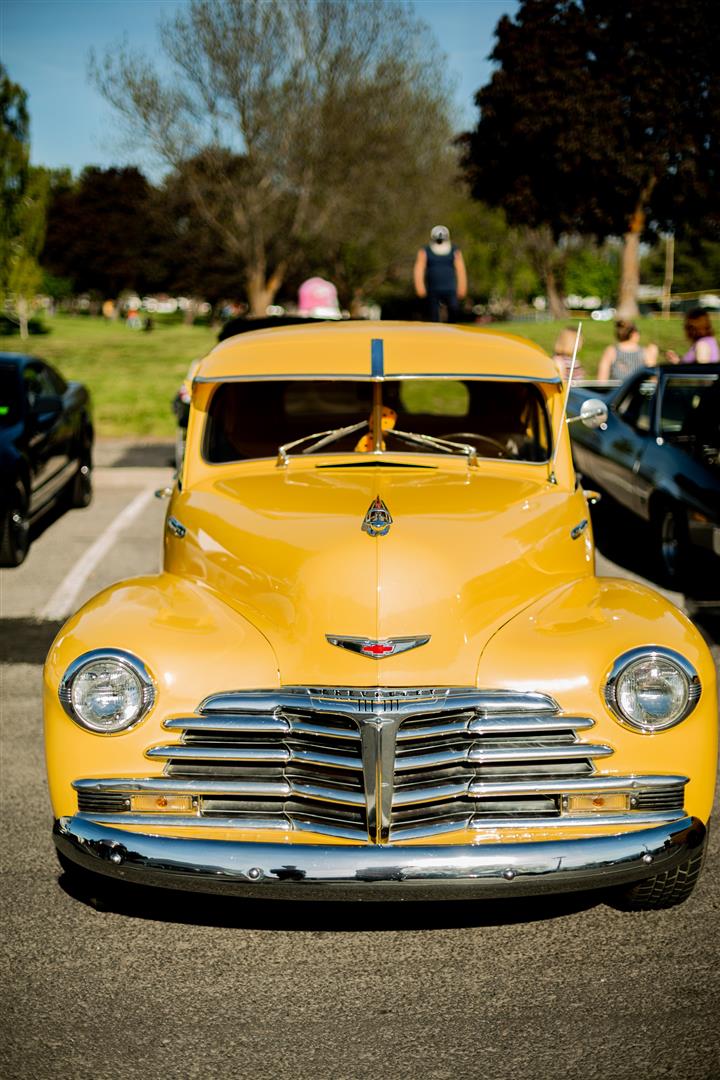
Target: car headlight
(652, 689)
(106, 690)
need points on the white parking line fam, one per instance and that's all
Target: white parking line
(62, 601)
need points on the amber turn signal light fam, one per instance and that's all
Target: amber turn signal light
(596, 804)
(159, 804)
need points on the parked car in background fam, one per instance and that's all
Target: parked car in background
(46, 442)
(658, 455)
(377, 663)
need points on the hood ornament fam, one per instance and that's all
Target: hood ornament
(378, 519)
(377, 650)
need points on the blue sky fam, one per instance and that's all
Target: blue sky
(44, 44)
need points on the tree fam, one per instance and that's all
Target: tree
(23, 199)
(602, 118)
(102, 232)
(14, 162)
(330, 111)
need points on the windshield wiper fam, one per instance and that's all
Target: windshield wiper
(323, 439)
(440, 444)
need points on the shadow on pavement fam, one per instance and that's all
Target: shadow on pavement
(198, 909)
(26, 641)
(144, 455)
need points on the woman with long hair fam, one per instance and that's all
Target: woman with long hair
(704, 347)
(628, 355)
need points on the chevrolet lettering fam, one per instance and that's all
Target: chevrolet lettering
(377, 663)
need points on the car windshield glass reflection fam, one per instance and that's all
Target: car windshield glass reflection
(496, 419)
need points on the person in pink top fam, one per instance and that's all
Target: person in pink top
(703, 343)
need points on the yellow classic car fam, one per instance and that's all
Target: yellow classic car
(378, 663)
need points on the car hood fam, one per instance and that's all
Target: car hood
(467, 549)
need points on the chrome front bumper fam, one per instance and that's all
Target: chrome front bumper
(376, 872)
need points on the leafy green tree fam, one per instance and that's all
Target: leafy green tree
(14, 163)
(23, 198)
(697, 265)
(602, 118)
(102, 232)
(337, 124)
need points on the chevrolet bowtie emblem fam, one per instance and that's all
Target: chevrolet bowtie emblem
(378, 519)
(378, 650)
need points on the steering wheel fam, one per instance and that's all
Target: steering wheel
(473, 436)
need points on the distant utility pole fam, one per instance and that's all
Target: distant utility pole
(669, 272)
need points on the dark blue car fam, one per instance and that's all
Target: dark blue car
(46, 441)
(658, 455)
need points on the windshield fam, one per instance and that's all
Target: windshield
(498, 419)
(9, 395)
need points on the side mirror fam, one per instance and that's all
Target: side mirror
(593, 413)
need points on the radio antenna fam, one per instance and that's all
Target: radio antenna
(563, 419)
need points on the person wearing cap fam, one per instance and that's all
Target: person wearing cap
(439, 275)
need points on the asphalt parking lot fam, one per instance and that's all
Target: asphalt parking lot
(146, 984)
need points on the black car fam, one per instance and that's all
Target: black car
(46, 441)
(658, 455)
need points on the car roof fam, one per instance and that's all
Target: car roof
(377, 350)
(20, 359)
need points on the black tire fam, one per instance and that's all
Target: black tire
(15, 527)
(80, 490)
(672, 545)
(665, 890)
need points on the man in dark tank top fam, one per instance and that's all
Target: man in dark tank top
(439, 275)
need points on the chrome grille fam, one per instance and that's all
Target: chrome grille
(381, 764)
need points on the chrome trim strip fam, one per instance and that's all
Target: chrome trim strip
(343, 796)
(269, 755)
(399, 832)
(651, 652)
(186, 821)
(326, 377)
(481, 755)
(583, 786)
(358, 700)
(579, 529)
(243, 725)
(475, 823)
(532, 725)
(163, 785)
(377, 872)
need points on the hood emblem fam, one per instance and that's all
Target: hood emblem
(378, 519)
(377, 650)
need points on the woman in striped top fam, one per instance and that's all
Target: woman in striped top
(619, 361)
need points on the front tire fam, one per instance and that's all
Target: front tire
(80, 491)
(672, 541)
(666, 890)
(15, 527)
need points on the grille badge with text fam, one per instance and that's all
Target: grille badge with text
(378, 650)
(378, 519)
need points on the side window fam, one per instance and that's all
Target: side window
(32, 384)
(682, 404)
(54, 381)
(637, 406)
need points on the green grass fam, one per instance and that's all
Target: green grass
(133, 376)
